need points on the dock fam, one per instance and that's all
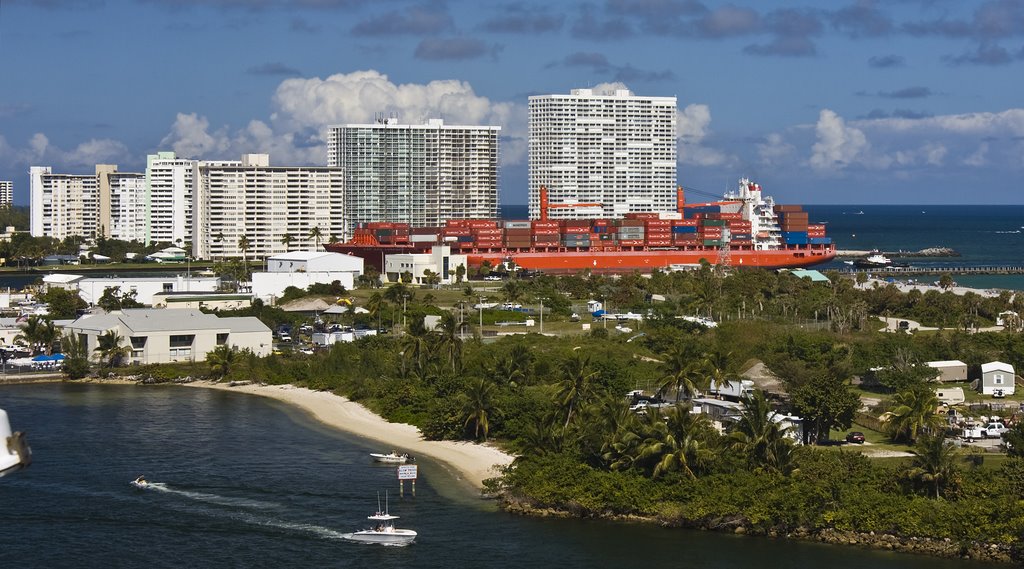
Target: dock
(953, 270)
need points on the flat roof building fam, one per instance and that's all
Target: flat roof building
(602, 154)
(421, 174)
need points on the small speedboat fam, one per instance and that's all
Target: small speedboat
(383, 530)
(140, 483)
(392, 457)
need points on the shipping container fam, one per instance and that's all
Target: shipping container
(820, 240)
(787, 208)
(517, 225)
(631, 242)
(713, 223)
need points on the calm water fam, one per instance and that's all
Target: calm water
(248, 482)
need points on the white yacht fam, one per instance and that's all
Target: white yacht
(14, 451)
(383, 530)
(392, 457)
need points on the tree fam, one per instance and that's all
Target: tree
(934, 463)
(38, 333)
(946, 281)
(1014, 440)
(825, 402)
(114, 299)
(759, 437)
(244, 245)
(681, 373)
(448, 340)
(479, 407)
(76, 357)
(287, 240)
(109, 346)
(62, 304)
(316, 235)
(575, 385)
(681, 443)
(913, 411)
(221, 359)
(460, 273)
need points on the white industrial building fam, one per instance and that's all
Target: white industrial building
(416, 174)
(440, 261)
(602, 154)
(303, 268)
(276, 208)
(156, 335)
(91, 289)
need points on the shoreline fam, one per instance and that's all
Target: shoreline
(470, 462)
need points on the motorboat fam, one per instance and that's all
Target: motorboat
(383, 530)
(392, 457)
(140, 483)
(875, 260)
(14, 451)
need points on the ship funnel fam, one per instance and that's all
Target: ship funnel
(543, 203)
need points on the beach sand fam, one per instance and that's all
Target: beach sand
(472, 462)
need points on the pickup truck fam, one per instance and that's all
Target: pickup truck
(995, 430)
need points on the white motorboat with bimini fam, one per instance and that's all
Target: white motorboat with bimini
(392, 457)
(383, 530)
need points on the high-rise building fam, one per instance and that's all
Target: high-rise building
(168, 198)
(62, 205)
(277, 209)
(6, 193)
(126, 197)
(602, 154)
(416, 174)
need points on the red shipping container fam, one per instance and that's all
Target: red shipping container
(456, 223)
(788, 208)
(684, 223)
(576, 229)
(659, 223)
(601, 223)
(659, 242)
(380, 225)
(731, 216)
(546, 225)
(815, 227)
(482, 224)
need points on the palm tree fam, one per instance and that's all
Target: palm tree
(934, 463)
(540, 438)
(448, 340)
(376, 304)
(286, 240)
(244, 245)
(718, 368)
(680, 443)
(913, 411)
(762, 439)
(479, 407)
(315, 234)
(681, 373)
(39, 333)
(76, 356)
(221, 359)
(575, 385)
(109, 346)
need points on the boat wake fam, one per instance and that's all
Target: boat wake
(243, 516)
(1004, 232)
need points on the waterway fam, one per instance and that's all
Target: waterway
(248, 482)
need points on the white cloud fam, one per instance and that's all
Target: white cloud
(304, 108)
(978, 157)
(39, 152)
(692, 126)
(838, 145)
(775, 150)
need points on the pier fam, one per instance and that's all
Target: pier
(953, 270)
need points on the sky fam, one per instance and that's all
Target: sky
(845, 102)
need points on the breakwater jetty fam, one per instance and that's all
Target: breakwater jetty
(952, 269)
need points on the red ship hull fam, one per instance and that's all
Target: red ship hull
(608, 260)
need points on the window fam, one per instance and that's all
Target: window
(138, 342)
(222, 339)
(997, 379)
(168, 287)
(182, 341)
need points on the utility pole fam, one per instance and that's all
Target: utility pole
(481, 305)
(542, 316)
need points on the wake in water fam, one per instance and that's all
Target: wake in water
(244, 516)
(1004, 232)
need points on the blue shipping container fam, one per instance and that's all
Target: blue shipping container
(820, 240)
(795, 237)
(684, 229)
(465, 239)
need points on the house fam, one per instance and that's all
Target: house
(157, 335)
(949, 370)
(301, 269)
(51, 260)
(810, 274)
(439, 261)
(997, 379)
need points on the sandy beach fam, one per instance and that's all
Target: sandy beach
(471, 462)
(903, 286)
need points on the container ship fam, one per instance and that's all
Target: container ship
(747, 230)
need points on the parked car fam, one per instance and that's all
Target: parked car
(995, 430)
(904, 325)
(855, 437)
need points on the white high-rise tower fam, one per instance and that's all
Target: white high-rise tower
(602, 154)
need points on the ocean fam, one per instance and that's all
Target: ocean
(984, 235)
(243, 481)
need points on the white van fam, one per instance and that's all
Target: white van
(995, 430)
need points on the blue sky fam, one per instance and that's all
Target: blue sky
(904, 101)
